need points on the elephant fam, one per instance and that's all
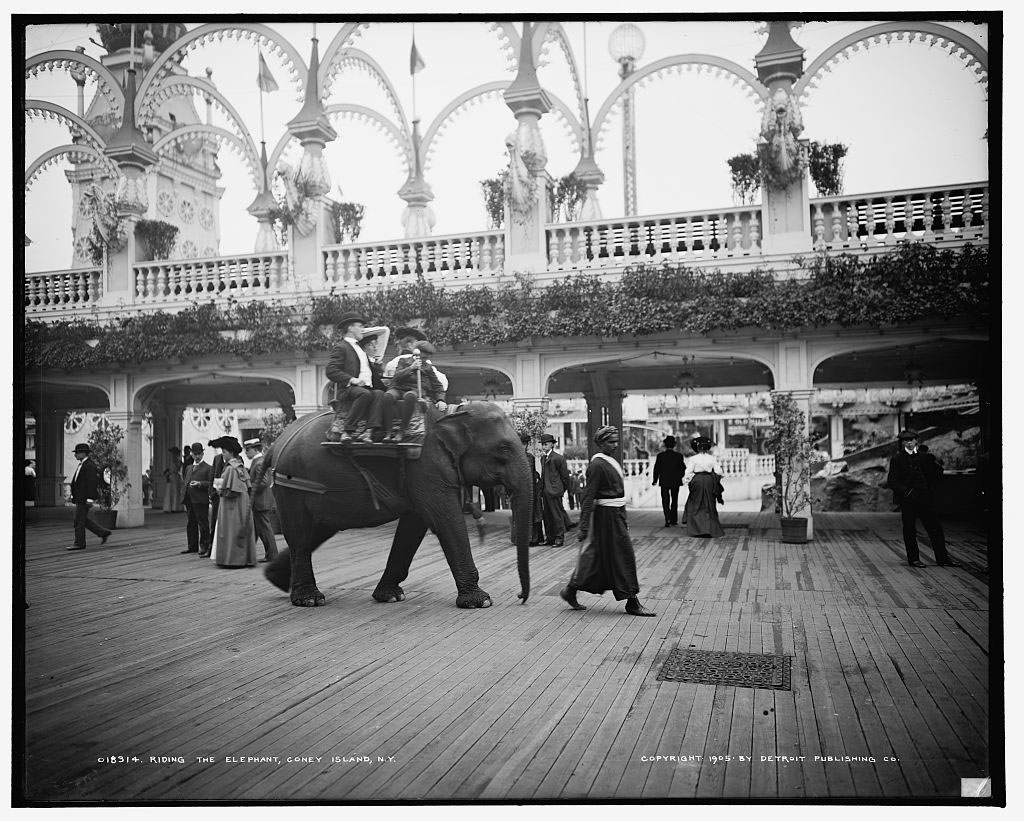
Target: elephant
(321, 490)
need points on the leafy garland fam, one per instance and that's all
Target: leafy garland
(347, 221)
(529, 423)
(823, 161)
(107, 231)
(158, 236)
(903, 286)
(565, 197)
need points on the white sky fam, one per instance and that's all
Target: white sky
(911, 116)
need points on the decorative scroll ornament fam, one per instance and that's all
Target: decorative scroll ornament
(783, 162)
(301, 198)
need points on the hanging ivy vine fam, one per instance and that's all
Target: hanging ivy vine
(904, 286)
(493, 190)
(107, 232)
(347, 221)
(158, 237)
(823, 161)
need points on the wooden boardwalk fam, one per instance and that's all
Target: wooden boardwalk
(224, 691)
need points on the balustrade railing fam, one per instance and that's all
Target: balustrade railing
(864, 222)
(59, 290)
(673, 238)
(880, 220)
(243, 275)
(445, 258)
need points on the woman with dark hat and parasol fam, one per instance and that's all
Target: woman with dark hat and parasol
(704, 480)
(234, 540)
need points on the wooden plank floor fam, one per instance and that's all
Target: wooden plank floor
(223, 691)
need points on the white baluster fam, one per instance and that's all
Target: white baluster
(737, 234)
(499, 251)
(819, 228)
(161, 280)
(853, 223)
(908, 218)
(890, 222)
(755, 232)
(486, 261)
(984, 212)
(837, 226)
(947, 213)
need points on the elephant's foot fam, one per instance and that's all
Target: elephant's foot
(476, 598)
(279, 574)
(308, 596)
(388, 593)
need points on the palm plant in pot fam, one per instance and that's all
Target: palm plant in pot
(105, 442)
(789, 439)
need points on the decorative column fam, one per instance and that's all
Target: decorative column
(129, 149)
(261, 208)
(49, 456)
(793, 376)
(418, 219)
(626, 46)
(604, 407)
(309, 383)
(785, 209)
(835, 435)
(528, 382)
(122, 413)
(526, 203)
(591, 175)
(312, 128)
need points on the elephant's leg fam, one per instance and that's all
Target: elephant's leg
(279, 571)
(304, 592)
(408, 537)
(451, 532)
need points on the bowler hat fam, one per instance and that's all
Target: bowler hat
(350, 318)
(408, 331)
(909, 433)
(82, 448)
(197, 446)
(669, 441)
(425, 348)
(546, 437)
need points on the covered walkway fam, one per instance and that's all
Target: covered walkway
(154, 676)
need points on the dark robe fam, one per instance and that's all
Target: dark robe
(608, 561)
(701, 513)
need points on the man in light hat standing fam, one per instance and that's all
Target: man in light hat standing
(912, 477)
(608, 562)
(85, 489)
(669, 468)
(262, 497)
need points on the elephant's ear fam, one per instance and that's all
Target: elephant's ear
(452, 432)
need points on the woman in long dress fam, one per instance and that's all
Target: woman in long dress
(173, 488)
(703, 478)
(234, 540)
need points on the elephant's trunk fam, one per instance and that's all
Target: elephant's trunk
(521, 488)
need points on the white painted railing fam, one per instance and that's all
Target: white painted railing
(865, 222)
(697, 236)
(879, 220)
(243, 275)
(456, 257)
(61, 290)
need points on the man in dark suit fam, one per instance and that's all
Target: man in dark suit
(912, 477)
(198, 481)
(349, 369)
(554, 478)
(86, 486)
(215, 472)
(669, 468)
(261, 494)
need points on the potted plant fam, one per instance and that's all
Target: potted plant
(105, 443)
(790, 441)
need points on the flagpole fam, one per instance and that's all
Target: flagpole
(413, 75)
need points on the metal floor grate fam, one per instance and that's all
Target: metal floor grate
(763, 672)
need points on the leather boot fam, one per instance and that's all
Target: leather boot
(634, 608)
(568, 594)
